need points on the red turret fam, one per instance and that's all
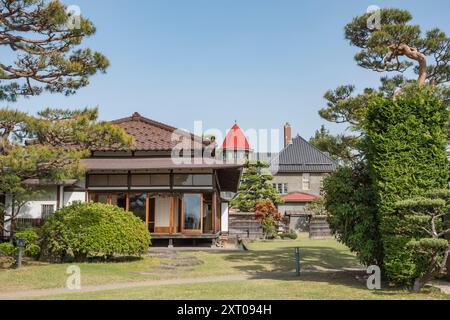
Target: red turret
(236, 140)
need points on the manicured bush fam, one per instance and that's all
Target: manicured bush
(32, 248)
(86, 230)
(406, 153)
(289, 235)
(352, 214)
(7, 249)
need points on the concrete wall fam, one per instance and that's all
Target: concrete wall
(295, 182)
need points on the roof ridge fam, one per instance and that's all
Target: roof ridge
(137, 116)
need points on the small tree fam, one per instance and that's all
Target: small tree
(255, 185)
(269, 216)
(429, 224)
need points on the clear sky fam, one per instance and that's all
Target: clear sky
(260, 62)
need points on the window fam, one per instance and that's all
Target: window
(138, 205)
(192, 210)
(322, 191)
(47, 210)
(306, 181)
(282, 188)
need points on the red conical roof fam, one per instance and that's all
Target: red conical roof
(235, 140)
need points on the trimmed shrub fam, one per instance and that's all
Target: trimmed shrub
(86, 230)
(406, 153)
(32, 248)
(7, 249)
(352, 214)
(289, 235)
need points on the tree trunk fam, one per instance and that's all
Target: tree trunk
(412, 53)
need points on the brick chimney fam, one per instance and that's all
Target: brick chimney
(287, 134)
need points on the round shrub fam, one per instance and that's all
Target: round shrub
(87, 230)
(7, 249)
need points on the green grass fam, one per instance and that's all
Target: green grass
(309, 287)
(267, 256)
(264, 256)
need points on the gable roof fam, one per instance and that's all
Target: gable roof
(298, 197)
(301, 156)
(236, 140)
(150, 135)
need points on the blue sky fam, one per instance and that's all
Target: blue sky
(259, 62)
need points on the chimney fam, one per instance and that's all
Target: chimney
(287, 134)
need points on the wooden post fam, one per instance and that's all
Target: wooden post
(214, 212)
(182, 213)
(201, 213)
(171, 199)
(147, 209)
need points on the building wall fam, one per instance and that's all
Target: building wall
(295, 182)
(33, 209)
(71, 197)
(297, 207)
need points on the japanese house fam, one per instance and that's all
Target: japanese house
(177, 199)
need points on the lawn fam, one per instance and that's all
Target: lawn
(309, 287)
(269, 257)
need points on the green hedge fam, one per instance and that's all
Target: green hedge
(89, 230)
(352, 214)
(406, 153)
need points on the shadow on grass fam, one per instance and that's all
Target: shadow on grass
(316, 263)
(283, 259)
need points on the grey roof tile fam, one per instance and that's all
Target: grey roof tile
(301, 156)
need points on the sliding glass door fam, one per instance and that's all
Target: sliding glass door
(138, 205)
(192, 213)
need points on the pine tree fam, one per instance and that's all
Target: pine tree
(255, 185)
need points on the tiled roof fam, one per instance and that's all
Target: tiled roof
(235, 140)
(298, 197)
(150, 135)
(301, 156)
